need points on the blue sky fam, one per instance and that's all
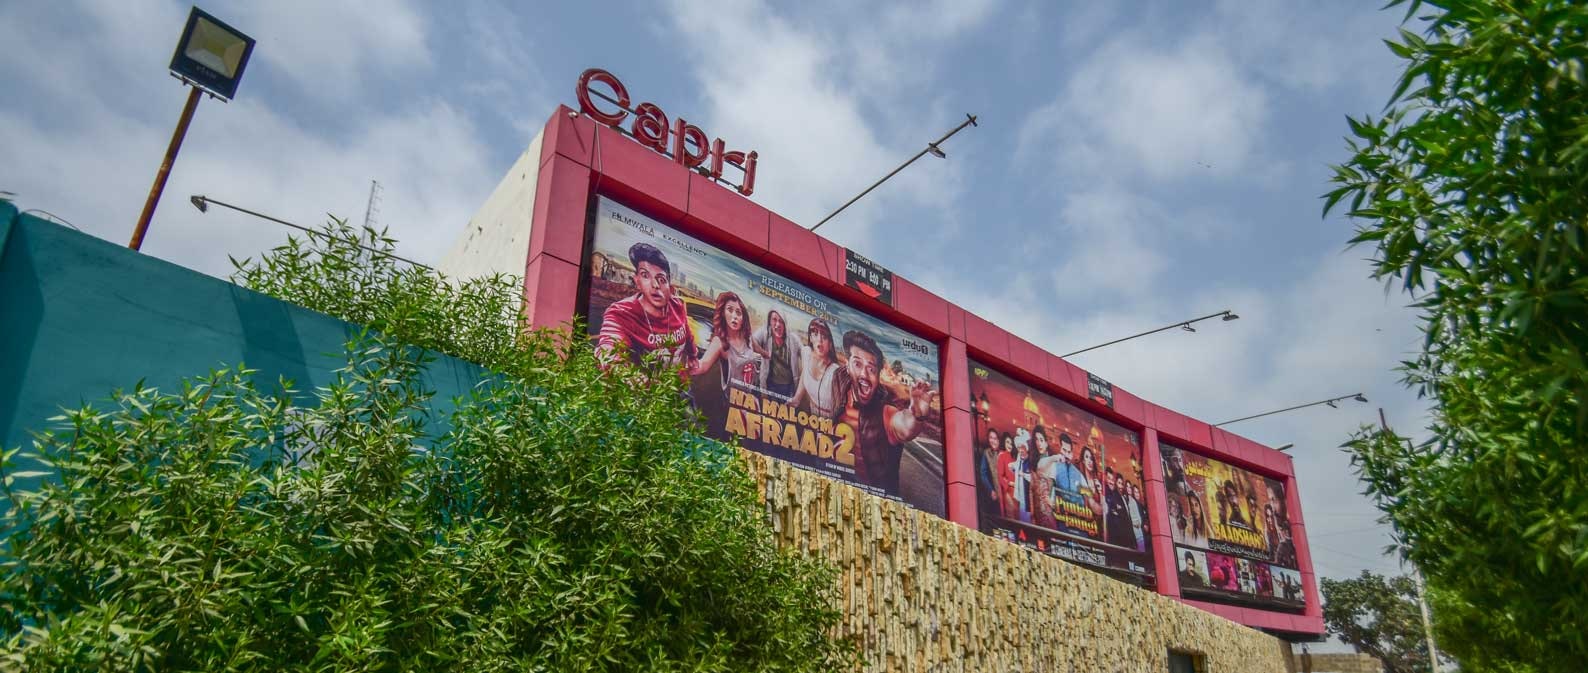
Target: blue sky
(1137, 163)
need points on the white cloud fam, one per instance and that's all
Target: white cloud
(783, 99)
(79, 55)
(93, 165)
(1138, 107)
(429, 162)
(496, 68)
(899, 48)
(937, 18)
(1309, 46)
(1110, 235)
(329, 48)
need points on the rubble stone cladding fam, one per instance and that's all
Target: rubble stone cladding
(923, 595)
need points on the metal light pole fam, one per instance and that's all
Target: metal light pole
(931, 147)
(165, 169)
(210, 58)
(1226, 315)
(1331, 402)
(1417, 579)
(203, 203)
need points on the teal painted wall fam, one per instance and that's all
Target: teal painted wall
(80, 317)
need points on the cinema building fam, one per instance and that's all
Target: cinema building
(993, 506)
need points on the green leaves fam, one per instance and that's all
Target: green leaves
(1378, 616)
(553, 519)
(1473, 190)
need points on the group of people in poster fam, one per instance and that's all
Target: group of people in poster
(781, 377)
(1029, 478)
(1231, 529)
(1061, 480)
(786, 372)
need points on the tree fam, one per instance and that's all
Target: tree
(1472, 190)
(552, 520)
(1378, 616)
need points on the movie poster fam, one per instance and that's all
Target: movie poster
(1231, 530)
(1057, 479)
(772, 364)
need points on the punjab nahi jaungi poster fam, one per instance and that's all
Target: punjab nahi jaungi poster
(1056, 478)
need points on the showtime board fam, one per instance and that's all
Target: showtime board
(777, 367)
(1058, 479)
(1231, 530)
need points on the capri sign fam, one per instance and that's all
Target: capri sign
(686, 143)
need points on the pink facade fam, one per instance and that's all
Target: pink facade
(580, 158)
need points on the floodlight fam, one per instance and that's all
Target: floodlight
(211, 55)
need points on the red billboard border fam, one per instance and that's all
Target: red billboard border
(580, 158)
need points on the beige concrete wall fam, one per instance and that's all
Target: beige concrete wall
(926, 595)
(496, 239)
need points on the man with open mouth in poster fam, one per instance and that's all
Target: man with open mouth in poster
(881, 428)
(771, 364)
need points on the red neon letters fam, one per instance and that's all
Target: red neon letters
(650, 127)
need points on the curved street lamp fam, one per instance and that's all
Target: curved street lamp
(1359, 397)
(1225, 315)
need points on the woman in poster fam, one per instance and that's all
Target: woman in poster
(730, 343)
(1006, 476)
(818, 381)
(782, 355)
(1282, 508)
(1280, 549)
(1022, 468)
(1090, 483)
(1138, 515)
(1193, 523)
(987, 475)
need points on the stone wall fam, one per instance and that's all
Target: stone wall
(1338, 663)
(926, 595)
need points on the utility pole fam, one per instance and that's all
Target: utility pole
(1417, 579)
(160, 176)
(372, 209)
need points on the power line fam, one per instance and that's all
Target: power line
(1347, 532)
(1364, 559)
